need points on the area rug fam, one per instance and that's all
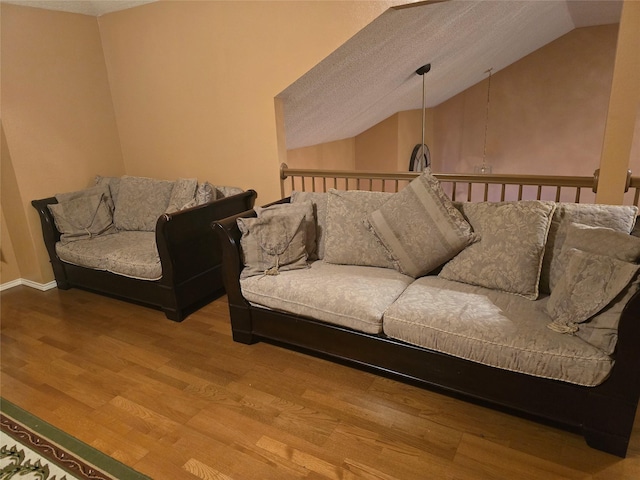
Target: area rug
(32, 449)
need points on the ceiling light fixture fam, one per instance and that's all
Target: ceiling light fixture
(421, 157)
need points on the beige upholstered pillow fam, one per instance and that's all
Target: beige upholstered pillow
(420, 227)
(112, 184)
(183, 194)
(140, 203)
(319, 201)
(306, 209)
(349, 240)
(272, 244)
(225, 191)
(598, 240)
(589, 283)
(82, 215)
(509, 255)
(601, 330)
(616, 217)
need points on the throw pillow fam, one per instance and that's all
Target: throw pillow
(140, 203)
(617, 217)
(509, 255)
(81, 215)
(319, 201)
(601, 330)
(598, 240)
(224, 192)
(589, 283)
(182, 194)
(112, 183)
(420, 227)
(349, 240)
(272, 244)
(306, 209)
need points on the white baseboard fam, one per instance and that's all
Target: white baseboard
(43, 287)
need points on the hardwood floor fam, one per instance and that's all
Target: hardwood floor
(183, 401)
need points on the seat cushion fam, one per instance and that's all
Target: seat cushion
(493, 328)
(132, 254)
(346, 295)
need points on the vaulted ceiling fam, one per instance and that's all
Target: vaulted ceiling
(373, 75)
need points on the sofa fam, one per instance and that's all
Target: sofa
(532, 307)
(141, 239)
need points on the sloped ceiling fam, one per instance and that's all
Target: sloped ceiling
(373, 75)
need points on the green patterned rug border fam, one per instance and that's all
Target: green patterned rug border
(72, 446)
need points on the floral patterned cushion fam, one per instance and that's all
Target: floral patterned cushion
(132, 254)
(319, 201)
(601, 330)
(182, 194)
(140, 203)
(590, 282)
(223, 191)
(351, 296)
(112, 183)
(83, 214)
(273, 244)
(493, 328)
(420, 227)
(616, 217)
(599, 240)
(508, 256)
(306, 209)
(349, 240)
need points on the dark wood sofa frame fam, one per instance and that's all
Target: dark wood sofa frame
(189, 254)
(604, 414)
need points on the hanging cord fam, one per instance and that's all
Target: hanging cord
(423, 148)
(486, 122)
(423, 110)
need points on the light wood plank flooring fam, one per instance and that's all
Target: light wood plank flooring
(183, 401)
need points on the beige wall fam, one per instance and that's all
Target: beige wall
(57, 116)
(384, 147)
(338, 155)
(377, 147)
(546, 114)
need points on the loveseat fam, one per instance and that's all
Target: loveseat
(529, 306)
(140, 239)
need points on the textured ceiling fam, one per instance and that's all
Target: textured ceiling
(85, 7)
(372, 76)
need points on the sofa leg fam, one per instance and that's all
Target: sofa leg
(607, 442)
(241, 325)
(609, 423)
(172, 314)
(244, 337)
